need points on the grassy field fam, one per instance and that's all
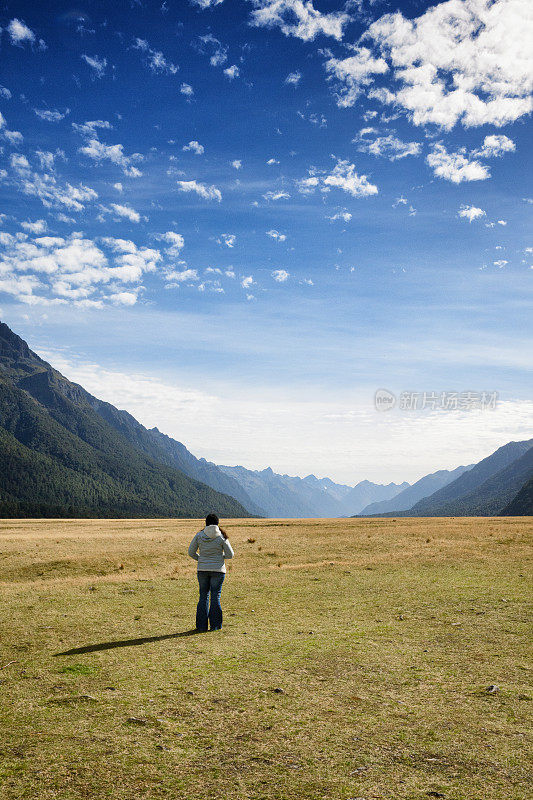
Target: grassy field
(358, 659)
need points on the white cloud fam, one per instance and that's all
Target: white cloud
(90, 128)
(54, 269)
(279, 237)
(182, 276)
(39, 226)
(21, 287)
(346, 178)
(5, 94)
(123, 298)
(307, 185)
(272, 161)
(465, 61)
(203, 4)
(471, 213)
(456, 167)
(98, 65)
(98, 151)
(232, 72)
(19, 163)
(186, 89)
(50, 116)
(500, 263)
(219, 52)
(280, 275)
(343, 176)
(293, 78)
(247, 282)
(46, 187)
(502, 222)
(47, 159)
(228, 239)
(19, 33)
(237, 163)
(353, 73)
(201, 189)
(118, 187)
(175, 241)
(155, 59)
(279, 195)
(344, 215)
(194, 147)
(298, 18)
(13, 137)
(387, 146)
(126, 212)
(495, 146)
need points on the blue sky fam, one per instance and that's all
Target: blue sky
(265, 210)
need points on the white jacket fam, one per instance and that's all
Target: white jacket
(210, 549)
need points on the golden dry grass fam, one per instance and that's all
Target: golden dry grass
(354, 661)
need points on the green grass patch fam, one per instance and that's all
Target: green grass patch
(78, 669)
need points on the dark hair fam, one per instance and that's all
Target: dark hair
(212, 519)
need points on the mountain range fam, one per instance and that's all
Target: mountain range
(485, 489)
(287, 496)
(412, 494)
(64, 452)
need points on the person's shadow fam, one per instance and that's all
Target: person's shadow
(93, 648)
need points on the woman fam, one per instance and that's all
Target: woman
(210, 547)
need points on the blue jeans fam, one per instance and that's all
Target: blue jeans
(209, 582)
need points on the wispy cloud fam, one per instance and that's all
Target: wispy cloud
(201, 189)
(276, 195)
(154, 59)
(293, 78)
(97, 64)
(276, 235)
(389, 146)
(50, 115)
(299, 18)
(98, 151)
(126, 212)
(228, 239)
(194, 147)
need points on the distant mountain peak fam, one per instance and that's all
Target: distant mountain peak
(12, 346)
